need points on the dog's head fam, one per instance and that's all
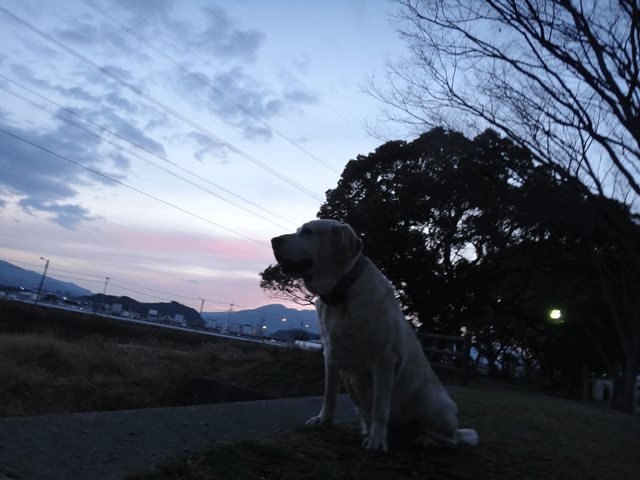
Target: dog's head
(320, 252)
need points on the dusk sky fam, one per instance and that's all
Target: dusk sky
(163, 144)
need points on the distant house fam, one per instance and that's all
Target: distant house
(27, 294)
(601, 389)
(231, 328)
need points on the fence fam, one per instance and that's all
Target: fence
(436, 355)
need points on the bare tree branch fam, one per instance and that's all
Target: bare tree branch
(556, 76)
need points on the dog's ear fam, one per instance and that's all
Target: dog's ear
(347, 244)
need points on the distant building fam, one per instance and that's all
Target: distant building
(116, 308)
(231, 328)
(152, 315)
(602, 390)
(27, 295)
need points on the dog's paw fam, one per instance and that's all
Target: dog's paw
(425, 441)
(318, 422)
(374, 442)
(364, 428)
(468, 436)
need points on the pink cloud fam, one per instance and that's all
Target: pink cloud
(180, 264)
(151, 241)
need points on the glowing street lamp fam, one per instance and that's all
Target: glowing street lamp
(556, 316)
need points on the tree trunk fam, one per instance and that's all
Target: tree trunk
(621, 290)
(624, 385)
(584, 396)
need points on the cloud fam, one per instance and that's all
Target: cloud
(120, 161)
(76, 93)
(207, 147)
(151, 8)
(79, 34)
(29, 171)
(67, 216)
(206, 31)
(120, 101)
(301, 96)
(101, 37)
(127, 129)
(40, 183)
(244, 98)
(45, 183)
(223, 39)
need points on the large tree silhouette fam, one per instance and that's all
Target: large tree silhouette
(560, 78)
(425, 212)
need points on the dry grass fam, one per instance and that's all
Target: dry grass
(45, 374)
(60, 366)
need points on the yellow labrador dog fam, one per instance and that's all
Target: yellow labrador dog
(367, 341)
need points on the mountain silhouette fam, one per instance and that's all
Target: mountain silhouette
(18, 278)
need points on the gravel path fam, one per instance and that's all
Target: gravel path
(112, 445)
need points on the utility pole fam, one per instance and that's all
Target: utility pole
(202, 319)
(104, 293)
(42, 280)
(229, 318)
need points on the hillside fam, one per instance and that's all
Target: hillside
(191, 316)
(16, 277)
(270, 316)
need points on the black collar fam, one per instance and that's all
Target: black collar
(339, 292)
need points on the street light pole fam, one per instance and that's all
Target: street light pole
(42, 280)
(104, 293)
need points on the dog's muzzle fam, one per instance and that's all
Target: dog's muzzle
(289, 267)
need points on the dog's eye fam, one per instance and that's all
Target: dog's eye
(306, 231)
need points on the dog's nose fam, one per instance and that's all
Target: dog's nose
(275, 241)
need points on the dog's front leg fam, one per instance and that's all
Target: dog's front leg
(331, 387)
(382, 385)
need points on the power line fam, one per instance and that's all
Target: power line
(204, 82)
(230, 79)
(131, 188)
(140, 157)
(113, 282)
(172, 294)
(115, 285)
(71, 112)
(166, 108)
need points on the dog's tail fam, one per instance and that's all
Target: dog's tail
(468, 436)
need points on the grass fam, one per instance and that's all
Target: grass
(53, 361)
(59, 362)
(522, 436)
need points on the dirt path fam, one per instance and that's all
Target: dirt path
(111, 445)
